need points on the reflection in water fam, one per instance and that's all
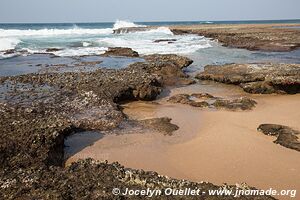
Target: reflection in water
(43, 63)
(219, 55)
(77, 142)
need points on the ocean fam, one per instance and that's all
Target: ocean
(91, 39)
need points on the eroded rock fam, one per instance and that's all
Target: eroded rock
(263, 37)
(186, 99)
(180, 61)
(120, 51)
(243, 103)
(81, 100)
(257, 78)
(38, 111)
(286, 136)
(89, 179)
(169, 67)
(208, 100)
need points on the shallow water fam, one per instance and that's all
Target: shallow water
(90, 40)
(219, 55)
(48, 63)
(77, 142)
(214, 55)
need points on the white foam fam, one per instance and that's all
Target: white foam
(8, 43)
(53, 32)
(81, 51)
(86, 44)
(3, 56)
(160, 30)
(96, 41)
(143, 42)
(125, 24)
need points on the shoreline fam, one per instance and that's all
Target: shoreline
(263, 37)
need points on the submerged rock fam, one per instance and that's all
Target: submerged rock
(165, 40)
(86, 63)
(120, 51)
(9, 51)
(163, 125)
(257, 78)
(242, 103)
(49, 50)
(186, 99)
(286, 136)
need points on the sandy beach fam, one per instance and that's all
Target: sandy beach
(211, 145)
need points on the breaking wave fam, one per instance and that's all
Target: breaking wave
(147, 42)
(77, 41)
(8, 43)
(53, 32)
(125, 24)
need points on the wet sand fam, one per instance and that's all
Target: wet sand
(211, 145)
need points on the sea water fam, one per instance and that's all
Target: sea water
(90, 39)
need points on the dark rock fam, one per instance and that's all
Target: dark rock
(79, 100)
(89, 179)
(186, 99)
(132, 30)
(10, 51)
(163, 125)
(120, 51)
(49, 50)
(286, 136)
(31, 138)
(60, 103)
(165, 40)
(257, 78)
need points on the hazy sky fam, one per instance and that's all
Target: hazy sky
(145, 10)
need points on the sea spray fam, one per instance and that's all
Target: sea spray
(77, 40)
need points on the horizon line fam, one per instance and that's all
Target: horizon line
(150, 21)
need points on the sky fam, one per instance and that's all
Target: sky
(37, 11)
